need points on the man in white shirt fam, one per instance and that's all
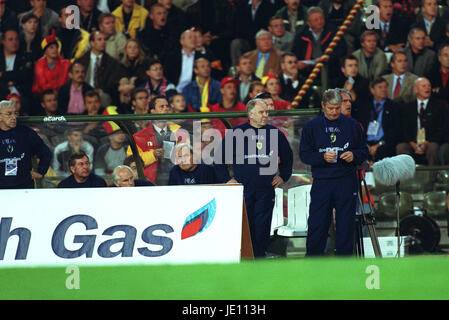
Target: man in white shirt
(423, 121)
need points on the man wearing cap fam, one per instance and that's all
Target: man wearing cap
(50, 71)
(228, 88)
(18, 145)
(229, 102)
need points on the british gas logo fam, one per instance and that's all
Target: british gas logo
(200, 220)
(157, 236)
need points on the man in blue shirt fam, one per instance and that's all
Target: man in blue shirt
(82, 177)
(333, 145)
(262, 160)
(381, 118)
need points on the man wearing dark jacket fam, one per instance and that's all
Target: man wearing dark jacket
(157, 31)
(440, 75)
(313, 40)
(294, 15)
(381, 118)
(261, 162)
(333, 145)
(101, 68)
(16, 73)
(423, 121)
(81, 177)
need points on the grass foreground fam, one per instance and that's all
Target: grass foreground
(423, 277)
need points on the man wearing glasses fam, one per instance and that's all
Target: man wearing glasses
(18, 145)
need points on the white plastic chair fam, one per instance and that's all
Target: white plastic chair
(298, 212)
(278, 210)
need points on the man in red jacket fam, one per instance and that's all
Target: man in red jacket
(50, 71)
(152, 141)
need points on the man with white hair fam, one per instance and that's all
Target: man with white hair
(265, 57)
(178, 64)
(123, 176)
(262, 160)
(423, 121)
(18, 145)
(346, 101)
(333, 145)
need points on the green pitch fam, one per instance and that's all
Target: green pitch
(278, 279)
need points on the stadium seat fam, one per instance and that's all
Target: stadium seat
(298, 212)
(434, 204)
(387, 205)
(420, 183)
(442, 180)
(278, 211)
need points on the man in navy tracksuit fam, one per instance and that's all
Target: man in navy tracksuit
(262, 160)
(333, 145)
(18, 146)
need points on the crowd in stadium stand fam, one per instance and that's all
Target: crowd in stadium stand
(163, 56)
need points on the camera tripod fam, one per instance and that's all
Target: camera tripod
(365, 219)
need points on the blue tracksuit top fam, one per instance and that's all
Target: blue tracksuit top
(19, 145)
(255, 155)
(203, 174)
(345, 134)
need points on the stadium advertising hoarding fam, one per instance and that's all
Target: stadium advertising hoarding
(140, 225)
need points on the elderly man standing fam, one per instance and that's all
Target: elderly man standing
(333, 145)
(18, 144)
(262, 160)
